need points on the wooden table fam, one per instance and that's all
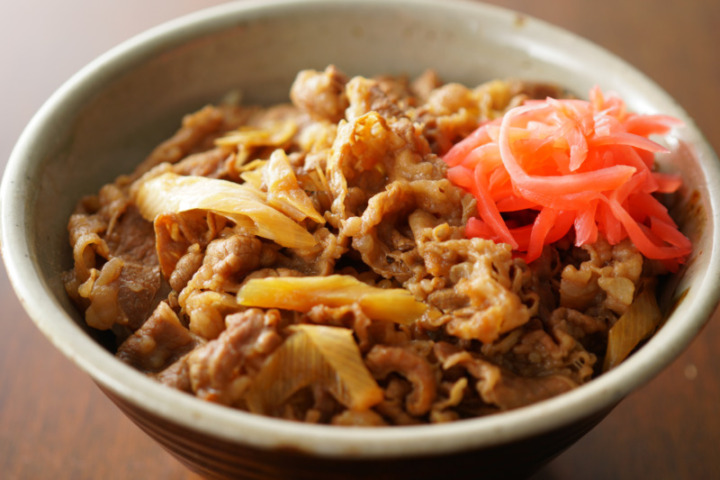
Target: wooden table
(55, 423)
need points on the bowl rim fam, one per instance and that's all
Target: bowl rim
(262, 432)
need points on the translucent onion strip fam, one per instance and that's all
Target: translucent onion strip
(284, 192)
(248, 136)
(302, 293)
(635, 325)
(172, 193)
(314, 355)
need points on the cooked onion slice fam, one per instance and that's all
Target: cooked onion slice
(636, 324)
(314, 355)
(284, 192)
(273, 135)
(172, 193)
(302, 293)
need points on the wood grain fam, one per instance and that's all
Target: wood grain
(55, 423)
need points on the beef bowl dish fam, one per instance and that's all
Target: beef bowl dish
(284, 257)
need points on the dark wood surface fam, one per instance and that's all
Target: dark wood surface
(55, 423)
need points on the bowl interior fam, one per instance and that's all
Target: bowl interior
(107, 118)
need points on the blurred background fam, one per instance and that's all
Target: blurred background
(54, 423)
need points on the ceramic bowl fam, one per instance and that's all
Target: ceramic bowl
(109, 115)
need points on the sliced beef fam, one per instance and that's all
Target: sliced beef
(383, 360)
(219, 369)
(358, 163)
(160, 341)
(321, 94)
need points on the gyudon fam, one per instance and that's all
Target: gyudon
(366, 255)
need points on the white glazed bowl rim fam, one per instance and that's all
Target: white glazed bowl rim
(262, 432)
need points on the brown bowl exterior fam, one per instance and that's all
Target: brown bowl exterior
(216, 458)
